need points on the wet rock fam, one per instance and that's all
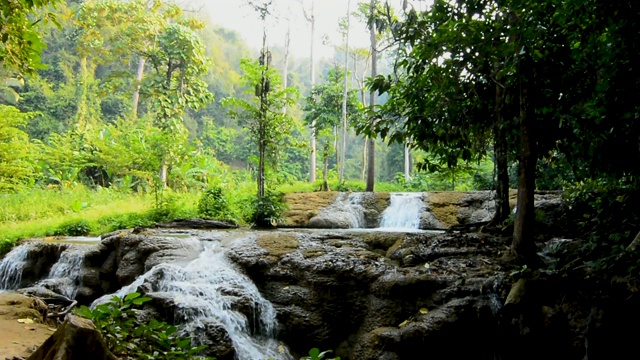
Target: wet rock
(335, 290)
(123, 256)
(75, 339)
(216, 340)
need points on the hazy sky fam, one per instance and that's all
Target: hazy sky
(235, 14)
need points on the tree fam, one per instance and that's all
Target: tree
(311, 19)
(178, 61)
(371, 148)
(345, 92)
(20, 42)
(17, 158)
(323, 106)
(262, 114)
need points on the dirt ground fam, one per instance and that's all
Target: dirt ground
(21, 327)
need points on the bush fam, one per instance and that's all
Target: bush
(213, 204)
(73, 228)
(268, 210)
(128, 338)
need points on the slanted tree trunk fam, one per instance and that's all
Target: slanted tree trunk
(523, 246)
(500, 151)
(136, 91)
(371, 148)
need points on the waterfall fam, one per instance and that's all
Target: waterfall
(11, 267)
(211, 288)
(64, 277)
(403, 211)
(350, 206)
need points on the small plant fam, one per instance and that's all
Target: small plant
(127, 338)
(268, 210)
(315, 354)
(73, 228)
(214, 204)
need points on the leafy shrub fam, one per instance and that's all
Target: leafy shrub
(214, 204)
(127, 338)
(267, 211)
(315, 354)
(73, 228)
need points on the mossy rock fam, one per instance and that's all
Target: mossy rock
(445, 206)
(304, 206)
(279, 244)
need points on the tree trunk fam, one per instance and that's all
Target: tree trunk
(407, 163)
(163, 174)
(345, 93)
(371, 149)
(501, 164)
(523, 246)
(364, 159)
(285, 71)
(325, 171)
(136, 92)
(312, 167)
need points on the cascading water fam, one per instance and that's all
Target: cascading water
(403, 211)
(11, 267)
(350, 205)
(210, 288)
(64, 276)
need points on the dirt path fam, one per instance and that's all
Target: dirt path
(21, 338)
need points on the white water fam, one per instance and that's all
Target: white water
(350, 205)
(403, 211)
(64, 276)
(11, 267)
(207, 288)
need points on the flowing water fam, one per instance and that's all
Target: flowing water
(64, 276)
(211, 289)
(403, 211)
(11, 267)
(349, 205)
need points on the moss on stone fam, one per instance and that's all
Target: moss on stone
(278, 244)
(445, 206)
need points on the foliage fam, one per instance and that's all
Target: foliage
(73, 228)
(315, 354)
(262, 114)
(17, 155)
(127, 337)
(213, 203)
(20, 41)
(268, 210)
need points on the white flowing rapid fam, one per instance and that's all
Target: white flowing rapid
(64, 275)
(403, 211)
(11, 267)
(211, 288)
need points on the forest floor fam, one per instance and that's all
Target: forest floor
(21, 327)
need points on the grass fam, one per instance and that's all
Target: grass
(83, 211)
(47, 212)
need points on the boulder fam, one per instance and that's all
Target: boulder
(76, 339)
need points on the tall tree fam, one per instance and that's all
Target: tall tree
(345, 92)
(311, 19)
(371, 148)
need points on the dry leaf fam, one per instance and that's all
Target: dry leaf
(25, 321)
(403, 323)
(424, 311)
